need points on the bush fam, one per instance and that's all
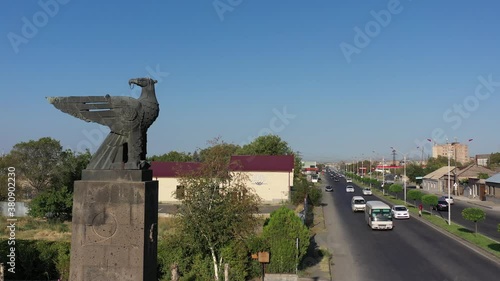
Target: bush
(281, 233)
(54, 204)
(38, 259)
(473, 214)
(395, 188)
(302, 188)
(415, 195)
(430, 200)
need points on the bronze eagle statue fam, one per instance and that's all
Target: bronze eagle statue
(127, 117)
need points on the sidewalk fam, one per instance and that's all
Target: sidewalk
(319, 265)
(490, 203)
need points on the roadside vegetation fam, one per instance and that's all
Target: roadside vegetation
(214, 227)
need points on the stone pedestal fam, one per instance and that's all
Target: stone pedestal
(114, 232)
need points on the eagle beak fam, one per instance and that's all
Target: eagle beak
(132, 81)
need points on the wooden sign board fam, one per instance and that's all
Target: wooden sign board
(264, 257)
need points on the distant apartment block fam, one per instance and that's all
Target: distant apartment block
(458, 151)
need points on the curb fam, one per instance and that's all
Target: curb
(472, 203)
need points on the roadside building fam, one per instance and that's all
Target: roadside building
(493, 186)
(270, 176)
(438, 179)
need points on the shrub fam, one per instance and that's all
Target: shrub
(281, 232)
(473, 214)
(415, 195)
(430, 200)
(396, 188)
(55, 204)
(38, 259)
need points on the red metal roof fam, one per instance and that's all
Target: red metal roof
(262, 163)
(246, 163)
(172, 169)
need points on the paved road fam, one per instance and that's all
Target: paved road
(488, 227)
(412, 251)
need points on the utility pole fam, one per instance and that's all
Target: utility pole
(449, 183)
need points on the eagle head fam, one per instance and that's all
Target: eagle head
(142, 82)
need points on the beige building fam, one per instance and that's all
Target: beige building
(269, 175)
(438, 179)
(458, 151)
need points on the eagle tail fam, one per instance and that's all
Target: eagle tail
(112, 152)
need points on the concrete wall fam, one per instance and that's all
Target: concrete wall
(281, 277)
(21, 209)
(167, 188)
(271, 186)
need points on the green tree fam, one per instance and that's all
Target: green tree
(385, 187)
(73, 164)
(281, 232)
(415, 195)
(482, 176)
(56, 204)
(430, 200)
(266, 145)
(173, 156)
(414, 170)
(196, 156)
(396, 188)
(494, 160)
(217, 207)
(473, 214)
(225, 150)
(38, 161)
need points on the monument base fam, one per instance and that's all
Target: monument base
(114, 231)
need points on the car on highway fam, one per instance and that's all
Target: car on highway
(358, 203)
(367, 191)
(400, 212)
(336, 179)
(328, 188)
(349, 188)
(348, 180)
(441, 206)
(447, 199)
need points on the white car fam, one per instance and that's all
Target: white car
(358, 203)
(447, 199)
(349, 188)
(400, 212)
(367, 191)
(348, 180)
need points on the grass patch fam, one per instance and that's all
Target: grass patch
(38, 229)
(458, 230)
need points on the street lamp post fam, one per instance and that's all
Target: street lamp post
(449, 182)
(404, 172)
(370, 173)
(362, 165)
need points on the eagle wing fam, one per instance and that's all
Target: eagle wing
(115, 112)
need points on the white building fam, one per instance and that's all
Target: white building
(269, 175)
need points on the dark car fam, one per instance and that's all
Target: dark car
(329, 188)
(441, 206)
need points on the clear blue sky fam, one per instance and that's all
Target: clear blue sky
(230, 72)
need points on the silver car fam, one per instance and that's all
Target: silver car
(400, 212)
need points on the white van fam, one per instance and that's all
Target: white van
(378, 215)
(358, 203)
